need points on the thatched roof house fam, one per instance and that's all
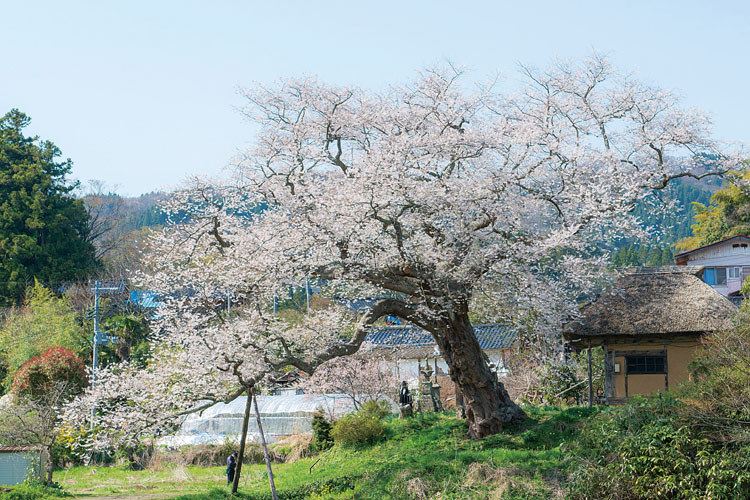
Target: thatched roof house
(649, 325)
(648, 301)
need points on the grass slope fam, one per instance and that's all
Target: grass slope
(428, 456)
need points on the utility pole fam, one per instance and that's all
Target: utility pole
(100, 338)
(95, 362)
(307, 293)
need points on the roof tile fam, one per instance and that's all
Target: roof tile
(491, 336)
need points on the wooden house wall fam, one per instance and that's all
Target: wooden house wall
(679, 356)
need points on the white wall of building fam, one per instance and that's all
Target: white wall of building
(725, 255)
(408, 369)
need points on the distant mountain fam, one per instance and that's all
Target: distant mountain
(143, 211)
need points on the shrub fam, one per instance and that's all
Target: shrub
(70, 445)
(560, 383)
(34, 490)
(376, 409)
(56, 365)
(322, 439)
(641, 451)
(718, 402)
(358, 428)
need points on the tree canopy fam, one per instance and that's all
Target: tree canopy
(43, 228)
(431, 194)
(43, 322)
(727, 214)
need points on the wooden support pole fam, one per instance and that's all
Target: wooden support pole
(609, 374)
(591, 387)
(666, 368)
(243, 439)
(265, 449)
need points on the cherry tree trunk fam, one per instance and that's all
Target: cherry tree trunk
(488, 406)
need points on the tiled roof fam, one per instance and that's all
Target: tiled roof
(493, 336)
(18, 448)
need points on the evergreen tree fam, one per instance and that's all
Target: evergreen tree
(43, 228)
(654, 257)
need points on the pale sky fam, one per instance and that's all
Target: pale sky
(140, 94)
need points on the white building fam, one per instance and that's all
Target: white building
(726, 264)
(409, 346)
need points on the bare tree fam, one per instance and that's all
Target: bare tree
(106, 211)
(33, 421)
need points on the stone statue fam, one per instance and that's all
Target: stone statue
(431, 388)
(404, 401)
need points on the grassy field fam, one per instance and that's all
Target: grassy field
(424, 457)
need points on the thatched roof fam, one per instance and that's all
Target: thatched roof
(655, 301)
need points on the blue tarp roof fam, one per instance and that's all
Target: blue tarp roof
(144, 298)
(492, 336)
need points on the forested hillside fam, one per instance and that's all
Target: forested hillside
(137, 213)
(671, 227)
(143, 211)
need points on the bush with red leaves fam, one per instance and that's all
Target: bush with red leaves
(56, 365)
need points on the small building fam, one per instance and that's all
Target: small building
(726, 264)
(17, 463)
(409, 346)
(650, 325)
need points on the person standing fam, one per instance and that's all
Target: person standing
(231, 465)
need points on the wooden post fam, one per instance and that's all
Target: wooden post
(591, 387)
(243, 438)
(265, 449)
(609, 374)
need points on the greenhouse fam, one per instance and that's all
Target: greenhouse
(281, 415)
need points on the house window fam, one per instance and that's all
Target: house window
(735, 272)
(715, 276)
(638, 365)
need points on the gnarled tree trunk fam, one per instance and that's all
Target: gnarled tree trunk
(488, 406)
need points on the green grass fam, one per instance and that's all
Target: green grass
(428, 456)
(109, 481)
